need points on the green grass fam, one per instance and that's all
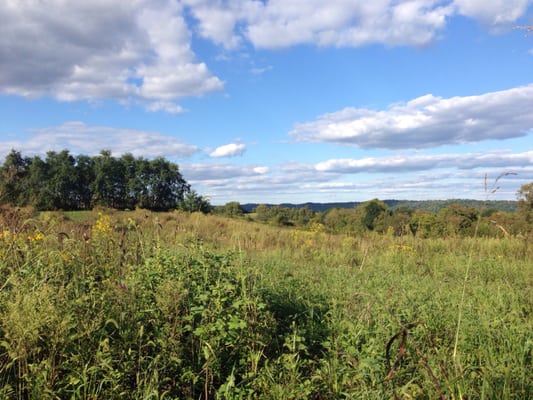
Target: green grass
(138, 305)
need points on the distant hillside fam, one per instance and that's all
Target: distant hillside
(428, 205)
(436, 205)
(317, 207)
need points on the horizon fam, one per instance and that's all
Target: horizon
(281, 102)
(368, 200)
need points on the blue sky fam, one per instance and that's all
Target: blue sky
(281, 100)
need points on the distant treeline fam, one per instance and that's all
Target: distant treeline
(65, 182)
(426, 205)
(450, 218)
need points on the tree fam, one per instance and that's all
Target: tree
(85, 176)
(426, 224)
(303, 216)
(232, 209)
(193, 202)
(525, 203)
(14, 179)
(164, 184)
(341, 220)
(262, 212)
(38, 191)
(525, 198)
(280, 216)
(61, 180)
(109, 185)
(373, 214)
(459, 219)
(134, 172)
(400, 220)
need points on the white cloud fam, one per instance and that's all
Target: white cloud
(427, 121)
(347, 23)
(260, 71)
(130, 51)
(140, 51)
(284, 23)
(229, 150)
(80, 138)
(218, 173)
(494, 13)
(166, 106)
(407, 163)
(251, 183)
(217, 19)
(261, 170)
(426, 177)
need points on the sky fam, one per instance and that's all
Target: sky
(276, 101)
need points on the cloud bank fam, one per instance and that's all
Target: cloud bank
(411, 163)
(342, 23)
(406, 175)
(80, 138)
(331, 182)
(426, 121)
(140, 51)
(130, 51)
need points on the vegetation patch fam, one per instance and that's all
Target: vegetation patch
(140, 305)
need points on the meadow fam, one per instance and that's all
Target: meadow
(140, 305)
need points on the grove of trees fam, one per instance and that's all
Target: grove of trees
(65, 182)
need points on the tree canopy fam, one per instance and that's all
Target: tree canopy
(67, 182)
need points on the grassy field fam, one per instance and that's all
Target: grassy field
(138, 305)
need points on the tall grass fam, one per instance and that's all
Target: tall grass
(137, 305)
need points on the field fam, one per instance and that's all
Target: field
(140, 305)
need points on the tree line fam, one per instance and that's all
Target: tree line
(62, 181)
(376, 216)
(427, 205)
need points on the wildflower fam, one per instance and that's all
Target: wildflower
(102, 225)
(36, 237)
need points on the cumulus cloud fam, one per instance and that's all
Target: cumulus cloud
(284, 23)
(409, 163)
(80, 138)
(140, 51)
(229, 150)
(427, 121)
(218, 172)
(495, 13)
(103, 49)
(347, 23)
